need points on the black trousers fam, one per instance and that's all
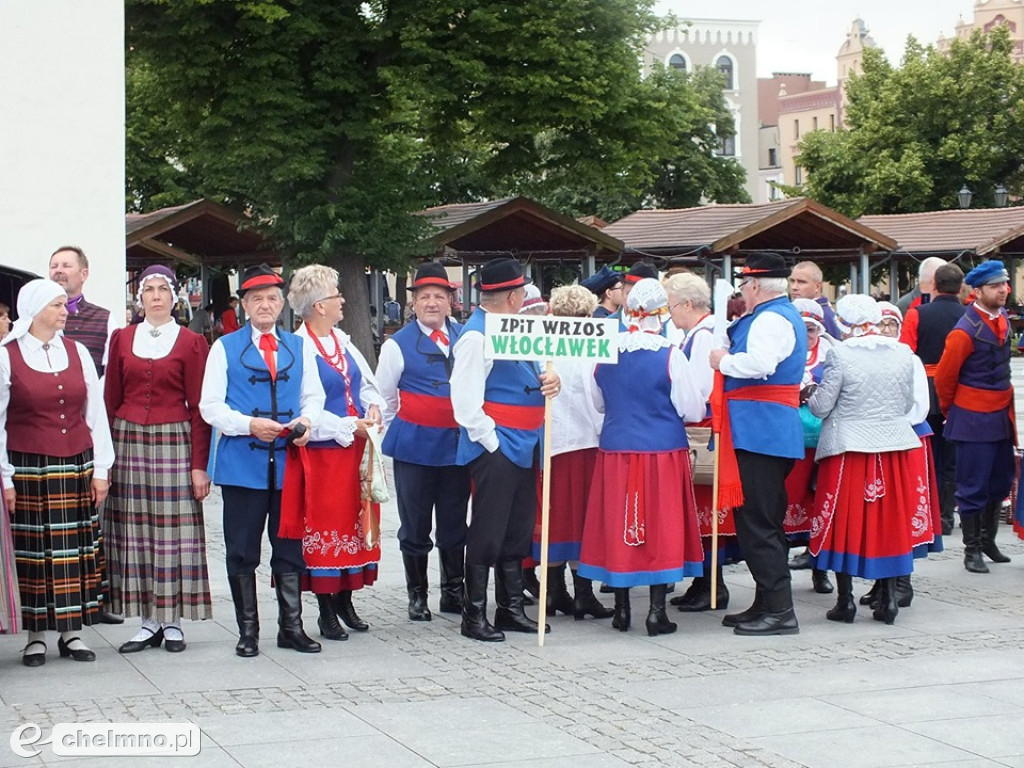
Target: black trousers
(246, 513)
(943, 450)
(759, 529)
(504, 510)
(424, 492)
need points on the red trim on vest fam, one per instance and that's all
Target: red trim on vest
(528, 417)
(427, 410)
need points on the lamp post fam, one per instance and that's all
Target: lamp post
(1002, 196)
(964, 197)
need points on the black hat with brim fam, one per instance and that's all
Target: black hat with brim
(260, 276)
(500, 275)
(765, 265)
(431, 273)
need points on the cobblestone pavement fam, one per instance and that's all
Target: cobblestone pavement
(943, 686)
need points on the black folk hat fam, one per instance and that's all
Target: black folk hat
(765, 265)
(500, 275)
(431, 273)
(602, 280)
(259, 276)
(639, 271)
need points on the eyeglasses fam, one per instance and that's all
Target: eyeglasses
(329, 298)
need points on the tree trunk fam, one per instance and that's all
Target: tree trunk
(401, 293)
(356, 322)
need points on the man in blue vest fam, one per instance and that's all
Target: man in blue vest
(260, 383)
(413, 373)
(763, 369)
(972, 382)
(499, 405)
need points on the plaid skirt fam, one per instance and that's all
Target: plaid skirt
(10, 601)
(56, 541)
(155, 536)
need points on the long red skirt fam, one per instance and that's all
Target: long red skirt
(800, 509)
(871, 510)
(929, 540)
(641, 525)
(571, 476)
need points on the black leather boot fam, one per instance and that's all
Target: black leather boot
(243, 594)
(453, 575)
(887, 609)
(947, 505)
(657, 622)
(289, 614)
(558, 596)
(700, 586)
(846, 607)
(756, 610)
(989, 529)
(586, 603)
(509, 615)
(779, 617)
(621, 619)
(970, 524)
(416, 586)
(328, 620)
(821, 583)
(904, 591)
(531, 585)
(342, 602)
(698, 597)
(474, 606)
(871, 596)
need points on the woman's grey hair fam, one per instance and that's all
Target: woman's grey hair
(310, 285)
(573, 301)
(776, 285)
(686, 286)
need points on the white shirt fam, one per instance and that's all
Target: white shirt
(575, 422)
(771, 340)
(149, 347)
(703, 343)
(213, 402)
(330, 426)
(390, 366)
(468, 381)
(55, 360)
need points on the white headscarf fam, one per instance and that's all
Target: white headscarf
(33, 298)
(644, 315)
(858, 314)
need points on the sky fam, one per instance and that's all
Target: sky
(805, 35)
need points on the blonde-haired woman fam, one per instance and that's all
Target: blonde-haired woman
(575, 429)
(339, 557)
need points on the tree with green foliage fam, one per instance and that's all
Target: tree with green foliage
(915, 134)
(334, 121)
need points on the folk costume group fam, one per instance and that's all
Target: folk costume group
(823, 441)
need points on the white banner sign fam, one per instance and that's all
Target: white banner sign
(533, 337)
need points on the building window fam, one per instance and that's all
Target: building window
(814, 123)
(727, 146)
(773, 157)
(796, 129)
(676, 61)
(725, 68)
(798, 176)
(832, 123)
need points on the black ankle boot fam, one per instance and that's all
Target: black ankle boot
(871, 596)
(657, 622)
(243, 594)
(846, 607)
(757, 609)
(453, 574)
(474, 606)
(947, 506)
(621, 619)
(346, 611)
(416, 586)
(289, 614)
(970, 524)
(328, 621)
(989, 529)
(821, 583)
(887, 609)
(698, 597)
(586, 603)
(558, 596)
(531, 584)
(509, 616)
(904, 591)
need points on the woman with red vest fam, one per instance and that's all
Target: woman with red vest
(55, 454)
(156, 554)
(341, 555)
(641, 527)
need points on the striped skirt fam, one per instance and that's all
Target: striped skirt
(56, 542)
(155, 537)
(10, 601)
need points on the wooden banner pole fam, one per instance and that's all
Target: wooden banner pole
(714, 528)
(545, 512)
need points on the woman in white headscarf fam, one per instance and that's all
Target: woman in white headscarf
(641, 526)
(55, 453)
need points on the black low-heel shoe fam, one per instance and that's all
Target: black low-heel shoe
(34, 659)
(134, 646)
(82, 654)
(175, 646)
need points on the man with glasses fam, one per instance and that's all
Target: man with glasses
(763, 369)
(499, 406)
(606, 284)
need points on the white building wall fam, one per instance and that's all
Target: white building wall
(62, 138)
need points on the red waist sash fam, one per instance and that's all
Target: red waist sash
(528, 417)
(427, 410)
(982, 400)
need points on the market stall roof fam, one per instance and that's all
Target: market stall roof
(797, 225)
(513, 226)
(200, 232)
(983, 231)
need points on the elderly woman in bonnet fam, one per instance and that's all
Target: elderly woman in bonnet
(156, 542)
(869, 515)
(641, 525)
(55, 453)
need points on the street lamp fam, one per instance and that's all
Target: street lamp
(1002, 196)
(964, 197)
